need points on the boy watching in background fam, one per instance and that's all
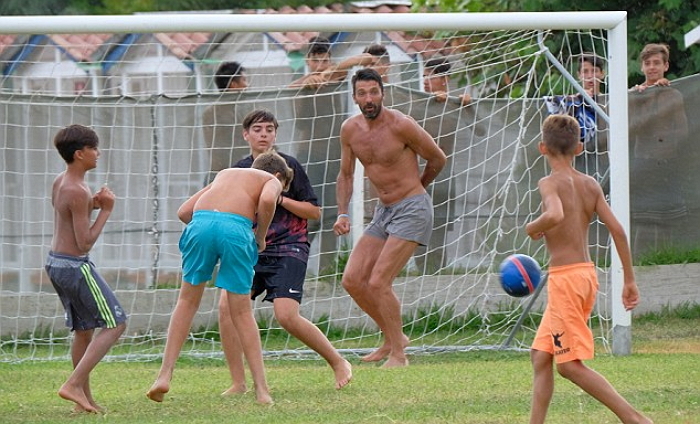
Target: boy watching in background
(593, 159)
(436, 80)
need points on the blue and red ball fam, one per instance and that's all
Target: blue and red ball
(520, 275)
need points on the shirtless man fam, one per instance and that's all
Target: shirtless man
(388, 144)
(87, 299)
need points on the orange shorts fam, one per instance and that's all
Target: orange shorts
(564, 332)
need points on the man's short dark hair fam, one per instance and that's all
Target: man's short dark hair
(438, 66)
(319, 45)
(227, 72)
(367, 74)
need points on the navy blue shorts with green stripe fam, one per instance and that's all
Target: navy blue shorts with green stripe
(86, 297)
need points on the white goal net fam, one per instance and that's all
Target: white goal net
(164, 127)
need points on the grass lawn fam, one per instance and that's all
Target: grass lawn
(661, 378)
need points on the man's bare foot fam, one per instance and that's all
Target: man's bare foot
(394, 362)
(77, 395)
(343, 374)
(158, 390)
(263, 396)
(377, 355)
(235, 389)
(383, 351)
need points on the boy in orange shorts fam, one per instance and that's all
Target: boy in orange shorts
(569, 200)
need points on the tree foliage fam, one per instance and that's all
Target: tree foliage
(660, 21)
(122, 7)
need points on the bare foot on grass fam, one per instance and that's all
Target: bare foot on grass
(377, 355)
(383, 351)
(343, 374)
(395, 362)
(158, 390)
(79, 409)
(263, 396)
(235, 390)
(77, 395)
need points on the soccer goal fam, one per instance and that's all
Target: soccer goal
(145, 84)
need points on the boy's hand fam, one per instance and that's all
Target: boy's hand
(103, 199)
(630, 296)
(440, 96)
(535, 235)
(261, 244)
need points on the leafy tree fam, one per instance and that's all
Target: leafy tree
(32, 7)
(660, 21)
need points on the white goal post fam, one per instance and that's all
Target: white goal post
(166, 188)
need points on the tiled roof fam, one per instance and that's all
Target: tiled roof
(182, 45)
(80, 46)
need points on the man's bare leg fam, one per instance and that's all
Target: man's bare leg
(356, 282)
(287, 314)
(180, 322)
(368, 278)
(233, 351)
(393, 258)
(74, 388)
(249, 334)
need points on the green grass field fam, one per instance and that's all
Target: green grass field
(662, 378)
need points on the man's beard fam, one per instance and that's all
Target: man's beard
(374, 112)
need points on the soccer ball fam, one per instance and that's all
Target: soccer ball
(520, 275)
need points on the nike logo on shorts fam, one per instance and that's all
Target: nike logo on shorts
(292, 291)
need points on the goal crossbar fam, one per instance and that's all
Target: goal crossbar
(212, 22)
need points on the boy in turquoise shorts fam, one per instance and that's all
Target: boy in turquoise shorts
(219, 229)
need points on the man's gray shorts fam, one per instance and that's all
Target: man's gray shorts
(408, 219)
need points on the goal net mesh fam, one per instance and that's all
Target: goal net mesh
(164, 128)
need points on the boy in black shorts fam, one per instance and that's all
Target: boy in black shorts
(281, 268)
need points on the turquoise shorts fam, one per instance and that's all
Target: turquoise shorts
(219, 237)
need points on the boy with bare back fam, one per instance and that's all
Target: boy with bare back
(219, 228)
(569, 200)
(388, 144)
(86, 297)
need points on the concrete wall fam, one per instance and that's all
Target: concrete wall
(149, 310)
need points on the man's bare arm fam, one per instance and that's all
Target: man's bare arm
(344, 183)
(423, 144)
